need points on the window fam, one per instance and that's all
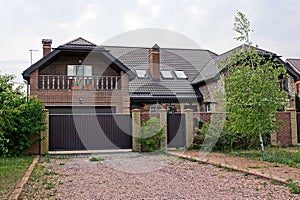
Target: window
(141, 73)
(180, 74)
(79, 70)
(170, 109)
(153, 108)
(207, 107)
(166, 74)
(283, 84)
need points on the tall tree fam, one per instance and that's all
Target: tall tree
(253, 94)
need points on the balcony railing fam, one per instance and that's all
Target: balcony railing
(61, 82)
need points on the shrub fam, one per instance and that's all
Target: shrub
(150, 135)
(20, 121)
(225, 138)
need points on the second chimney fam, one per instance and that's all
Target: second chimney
(154, 62)
(46, 46)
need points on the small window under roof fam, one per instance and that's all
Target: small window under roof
(141, 73)
(180, 74)
(166, 74)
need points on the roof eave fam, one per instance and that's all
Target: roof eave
(26, 73)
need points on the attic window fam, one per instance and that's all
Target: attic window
(180, 74)
(141, 73)
(166, 74)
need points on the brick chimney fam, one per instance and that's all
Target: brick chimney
(154, 62)
(46, 46)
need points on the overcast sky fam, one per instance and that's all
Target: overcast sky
(209, 23)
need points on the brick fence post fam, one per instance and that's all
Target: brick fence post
(294, 133)
(189, 132)
(44, 144)
(136, 123)
(163, 124)
(274, 139)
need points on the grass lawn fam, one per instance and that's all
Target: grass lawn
(289, 156)
(12, 170)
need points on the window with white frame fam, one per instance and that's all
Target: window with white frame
(79, 70)
(180, 74)
(166, 74)
(141, 73)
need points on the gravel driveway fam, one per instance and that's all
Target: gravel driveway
(149, 176)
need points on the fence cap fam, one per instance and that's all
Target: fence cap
(136, 110)
(291, 109)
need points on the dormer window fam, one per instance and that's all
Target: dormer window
(141, 73)
(166, 74)
(180, 74)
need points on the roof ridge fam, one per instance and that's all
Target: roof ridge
(73, 42)
(173, 48)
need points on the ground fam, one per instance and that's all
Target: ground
(279, 170)
(143, 176)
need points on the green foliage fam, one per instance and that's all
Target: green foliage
(293, 186)
(150, 135)
(253, 96)
(228, 139)
(96, 159)
(20, 121)
(242, 27)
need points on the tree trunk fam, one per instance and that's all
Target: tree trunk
(262, 148)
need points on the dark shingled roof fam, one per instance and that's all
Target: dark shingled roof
(78, 43)
(211, 71)
(294, 62)
(191, 61)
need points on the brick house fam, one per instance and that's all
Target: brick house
(82, 74)
(80, 77)
(118, 79)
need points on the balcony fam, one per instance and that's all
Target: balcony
(62, 82)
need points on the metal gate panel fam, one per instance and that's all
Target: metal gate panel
(78, 132)
(176, 130)
(298, 126)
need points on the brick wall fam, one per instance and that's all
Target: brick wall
(284, 134)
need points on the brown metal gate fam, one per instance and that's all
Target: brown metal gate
(85, 131)
(176, 130)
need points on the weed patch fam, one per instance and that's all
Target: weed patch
(273, 155)
(96, 159)
(293, 186)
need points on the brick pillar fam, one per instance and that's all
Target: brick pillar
(136, 123)
(274, 139)
(163, 124)
(125, 93)
(294, 126)
(189, 132)
(44, 144)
